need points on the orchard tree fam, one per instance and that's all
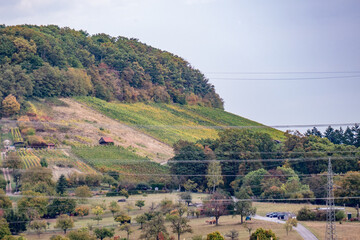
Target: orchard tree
(38, 226)
(80, 234)
(262, 234)
(17, 221)
(102, 233)
(153, 228)
(140, 203)
(98, 212)
(179, 223)
(10, 106)
(243, 206)
(114, 207)
(217, 205)
(186, 197)
(64, 222)
(13, 161)
(127, 228)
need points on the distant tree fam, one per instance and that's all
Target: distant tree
(82, 210)
(348, 187)
(109, 180)
(289, 224)
(213, 176)
(39, 226)
(83, 192)
(5, 201)
(114, 207)
(61, 185)
(186, 197)
(217, 205)
(64, 222)
(127, 228)
(122, 218)
(243, 206)
(141, 219)
(179, 223)
(233, 235)
(154, 227)
(10, 106)
(35, 175)
(98, 212)
(13, 161)
(102, 233)
(43, 162)
(262, 234)
(314, 131)
(17, 221)
(190, 185)
(4, 228)
(140, 203)
(59, 237)
(60, 206)
(253, 180)
(80, 234)
(33, 204)
(215, 236)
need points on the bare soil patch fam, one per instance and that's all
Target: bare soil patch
(88, 126)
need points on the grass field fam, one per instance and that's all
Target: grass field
(170, 123)
(123, 160)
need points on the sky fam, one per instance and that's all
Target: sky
(280, 62)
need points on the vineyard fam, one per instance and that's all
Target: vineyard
(170, 123)
(16, 135)
(110, 158)
(31, 158)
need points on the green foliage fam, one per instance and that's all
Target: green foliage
(154, 227)
(17, 221)
(43, 162)
(348, 186)
(305, 214)
(215, 236)
(262, 234)
(64, 222)
(80, 234)
(102, 233)
(140, 203)
(122, 218)
(189, 123)
(64, 62)
(120, 159)
(61, 185)
(5, 201)
(60, 206)
(243, 207)
(38, 226)
(3, 184)
(4, 228)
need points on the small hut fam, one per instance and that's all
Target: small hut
(106, 141)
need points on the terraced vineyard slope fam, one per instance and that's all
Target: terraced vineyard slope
(115, 158)
(170, 123)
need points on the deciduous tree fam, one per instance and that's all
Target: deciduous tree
(64, 222)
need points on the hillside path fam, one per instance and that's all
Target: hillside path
(7, 177)
(303, 231)
(88, 122)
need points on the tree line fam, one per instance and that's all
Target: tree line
(265, 169)
(49, 61)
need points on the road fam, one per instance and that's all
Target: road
(303, 231)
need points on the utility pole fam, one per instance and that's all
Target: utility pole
(330, 232)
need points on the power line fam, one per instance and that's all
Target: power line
(286, 72)
(286, 79)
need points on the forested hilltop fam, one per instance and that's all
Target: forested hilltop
(49, 61)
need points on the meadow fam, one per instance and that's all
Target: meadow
(170, 123)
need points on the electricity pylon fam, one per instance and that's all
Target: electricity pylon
(330, 232)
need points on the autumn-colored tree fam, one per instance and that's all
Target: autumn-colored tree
(114, 207)
(13, 161)
(217, 205)
(98, 212)
(215, 236)
(179, 223)
(10, 106)
(82, 211)
(213, 176)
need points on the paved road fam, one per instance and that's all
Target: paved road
(303, 231)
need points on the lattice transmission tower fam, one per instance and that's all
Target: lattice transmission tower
(330, 232)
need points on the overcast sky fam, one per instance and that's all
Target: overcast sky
(220, 37)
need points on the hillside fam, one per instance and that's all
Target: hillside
(49, 61)
(170, 123)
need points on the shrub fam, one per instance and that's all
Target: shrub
(305, 214)
(262, 234)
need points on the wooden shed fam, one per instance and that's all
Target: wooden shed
(106, 141)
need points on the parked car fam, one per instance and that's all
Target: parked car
(122, 200)
(269, 214)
